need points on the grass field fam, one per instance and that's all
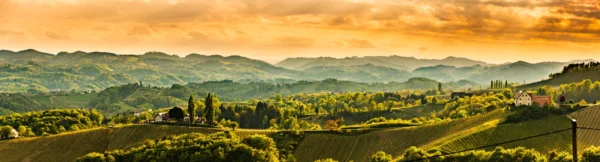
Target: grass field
(70, 101)
(69, 146)
(320, 145)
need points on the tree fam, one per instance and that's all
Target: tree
(381, 157)
(191, 110)
(434, 100)
(209, 110)
(582, 102)
(506, 84)
(331, 125)
(317, 110)
(492, 85)
(562, 99)
(440, 87)
(176, 113)
(233, 125)
(5, 131)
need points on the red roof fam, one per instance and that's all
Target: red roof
(542, 100)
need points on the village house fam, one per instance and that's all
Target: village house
(161, 117)
(523, 98)
(14, 134)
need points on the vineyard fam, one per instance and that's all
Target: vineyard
(506, 132)
(69, 146)
(586, 118)
(318, 145)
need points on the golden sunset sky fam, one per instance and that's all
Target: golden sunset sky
(495, 31)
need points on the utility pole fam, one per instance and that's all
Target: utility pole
(574, 129)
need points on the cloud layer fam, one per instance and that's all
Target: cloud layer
(266, 28)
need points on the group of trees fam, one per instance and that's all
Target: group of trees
(498, 84)
(218, 147)
(470, 106)
(577, 67)
(584, 90)
(52, 121)
(499, 154)
(19, 103)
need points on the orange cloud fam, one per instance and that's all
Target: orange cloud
(265, 28)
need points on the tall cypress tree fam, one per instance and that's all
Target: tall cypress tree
(209, 111)
(191, 110)
(492, 84)
(440, 87)
(506, 84)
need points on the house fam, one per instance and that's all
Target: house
(542, 100)
(161, 117)
(523, 98)
(14, 134)
(527, 99)
(136, 113)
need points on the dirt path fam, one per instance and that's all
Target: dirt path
(127, 98)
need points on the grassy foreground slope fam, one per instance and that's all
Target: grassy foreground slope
(70, 146)
(559, 141)
(319, 145)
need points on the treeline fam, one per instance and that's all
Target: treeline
(584, 90)
(218, 147)
(520, 154)
(19, 103)
(499, 84)
(470, 106)
(348, 104)
(578, 67)
(47, 122)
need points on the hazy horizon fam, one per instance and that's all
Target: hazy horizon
(275, 61)
(491, 31)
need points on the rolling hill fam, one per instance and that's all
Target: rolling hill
(70, 146)
(317, 145)
(514, 72)
(559, 141)
(572, 77)
(396, 62)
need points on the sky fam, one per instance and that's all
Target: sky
(495, 31)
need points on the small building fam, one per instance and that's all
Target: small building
(136, 113)
(161, 117)
(14, 134)
(523, 99)
(542, 100)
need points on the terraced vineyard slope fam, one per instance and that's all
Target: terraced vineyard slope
(70, 146)
(320, 145)
(587, 117)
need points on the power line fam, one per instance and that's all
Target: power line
(496, 144)
(588, 128)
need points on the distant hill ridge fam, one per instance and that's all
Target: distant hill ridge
(394, 61)
(31, 69)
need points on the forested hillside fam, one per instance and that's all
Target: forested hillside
(396, 62)
(36, 72)
(513, 72)
(571, 73)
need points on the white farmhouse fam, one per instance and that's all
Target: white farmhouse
(160, 117)
(523, 98)
(14, 134)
